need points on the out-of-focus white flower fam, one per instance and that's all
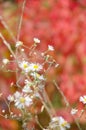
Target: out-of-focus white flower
(50, 48)
(22, 100)
(10, 98)
(54, 123)
(24, 65)
(27, 89)
(3, 111)
(55, 119)
(56, 65)
(35, 67)
(36, 40)
(22, 49)
(27, 86)
(63, 123)
(74, 111)
(19, 43)
(37, 76)
(59, 122)
(5, 61)
(83, 99)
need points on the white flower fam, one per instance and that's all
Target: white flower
(24, 65)
(59, 122)
(35, 67)
(27, 86)
(63, 123)
(37, 76)
(36, 40)
(22, 100)
(5, 61)
(26, 89)
(55, 119)
(3, 111)
(83, 99)
(19, 43)
(54, 123)
(56, 65)
(10, 98)
(22, 49)
(74, 111)
(50, 48)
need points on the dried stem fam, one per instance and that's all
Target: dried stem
(65, 99)
(21, 18)
(7, 28)
(67, 104)
(7, 45)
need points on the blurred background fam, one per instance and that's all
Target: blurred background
(62, 24)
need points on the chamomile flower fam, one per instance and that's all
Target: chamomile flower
(36, 40)
(10, 98)
(22, 100)
(24, 65)
(54, 123)
(50, 48)
(83, 99)
(35, 67)
(63, 123)
(37, 76)
(27, 87)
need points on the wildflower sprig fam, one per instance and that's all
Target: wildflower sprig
(33, 88)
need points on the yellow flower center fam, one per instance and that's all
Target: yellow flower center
(64, 124)
(22, 99)
(85, 99)
(25, 66)
(35, 67)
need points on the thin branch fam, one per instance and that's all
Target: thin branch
(21, 18)
(7, 45)
(47, 100)
(67, 104)
(65, 99)
(7, 28)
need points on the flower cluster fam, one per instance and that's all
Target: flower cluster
(66, 19)
(58, 122)
(31, 78)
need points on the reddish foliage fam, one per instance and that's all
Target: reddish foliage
(63, 24)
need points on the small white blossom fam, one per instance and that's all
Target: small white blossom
(10, 98)
(3, 111)
(63, 124)
(24, 65)
(19, 43)
(56, 65)
(36, 40)
(22, 100)
(55, 119)
(27, 86)
(50, 48)
(35, 67)
(5, 61)
(26, 89)
(22, 49)
(74, 111)
(83, 99)
(37, 76)
(59, 122)
(54, 123)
